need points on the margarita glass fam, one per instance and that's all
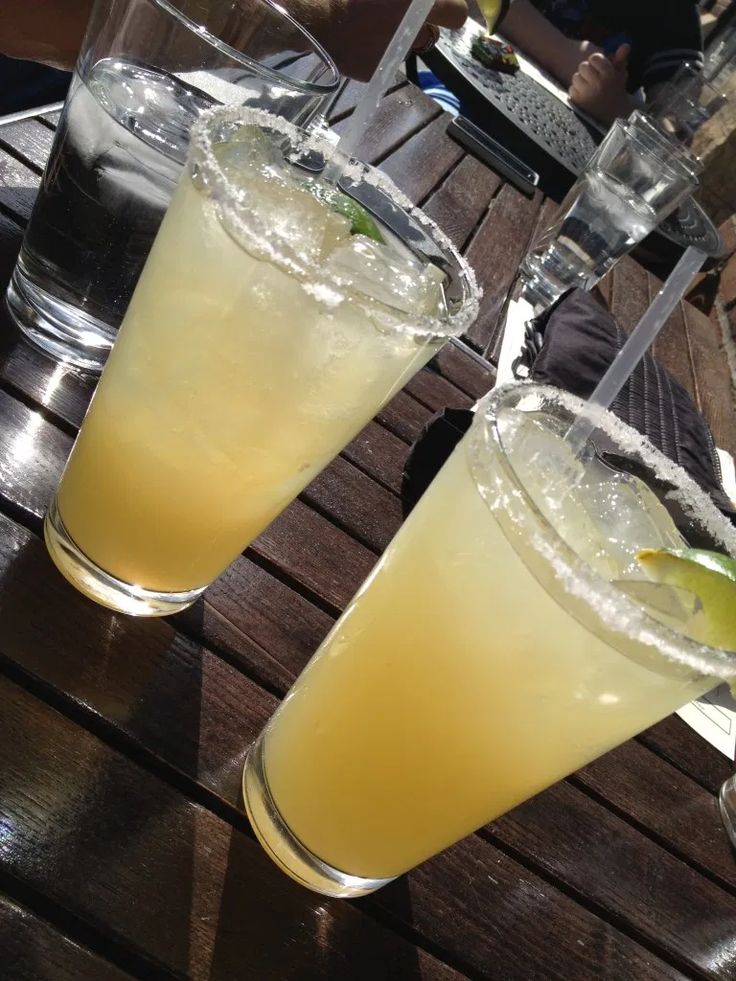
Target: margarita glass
(273, 319)
(495, 649)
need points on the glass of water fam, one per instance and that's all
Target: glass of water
(630, 185)
(146, 71)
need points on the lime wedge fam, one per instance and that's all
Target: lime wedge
(360, 220)
(258, 147)
(711, 577)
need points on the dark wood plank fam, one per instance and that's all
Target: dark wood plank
(505, 922)
(351, 93)
(630, 293)
(668, 804)
(154, 872)
(495, 253)
(369, 513)
(459, 204)
(311, 551)
(404, 417)
(419, 165)
(671, 347)
(281, 627)
(714, 384)
(471, 374)
(32, 950)
(380, 454)
(676, 742)
(18, 188)
(28, 140)
(11, 236)
(399, 115)
(176, 701)
(651, 893)
(435, 392)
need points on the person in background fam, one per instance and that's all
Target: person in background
(354, 32)
(605, 51)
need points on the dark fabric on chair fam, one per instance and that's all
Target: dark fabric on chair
(580, 339)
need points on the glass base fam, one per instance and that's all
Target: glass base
(284, 848)
(61, 330)
(727, 800)
(99, 585)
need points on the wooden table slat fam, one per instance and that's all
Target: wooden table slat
(33, 950)
(712, 375)
(18, 188)
(437, 152)
(638, 783)
(461, 201)
(679, 745)
(648, 890)
(495, 253)
(399, 114)
(28, 140)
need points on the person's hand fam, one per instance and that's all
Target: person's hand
(569, 56)
(42, 31)
(357, 32)
(599, 85)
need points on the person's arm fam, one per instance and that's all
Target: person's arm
(529, 30)
(595, 83)
(37, 30)
(354, 32)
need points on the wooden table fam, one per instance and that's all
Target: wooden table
(124, 850)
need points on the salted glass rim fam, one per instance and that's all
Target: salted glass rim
(312, 88)
(618, 613)
(328, 289)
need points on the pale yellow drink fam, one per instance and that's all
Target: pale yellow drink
(490, 10)
(463, 678)
(239, 372)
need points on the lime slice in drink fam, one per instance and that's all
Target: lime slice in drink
(360, 220)
(711, 577)
(248, 147)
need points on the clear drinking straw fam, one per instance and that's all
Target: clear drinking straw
(393, 56)
(639, 341)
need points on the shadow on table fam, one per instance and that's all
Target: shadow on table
(113, 842)
(328, 939)
(113, 839)
(16, 200)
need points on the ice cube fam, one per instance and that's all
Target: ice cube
(396, 279)
(627, 516)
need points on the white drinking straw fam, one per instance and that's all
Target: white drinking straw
(639, 341)
(383, 76)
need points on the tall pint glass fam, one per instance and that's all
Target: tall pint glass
(147, 69)
(274, 317)
(503, 641)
